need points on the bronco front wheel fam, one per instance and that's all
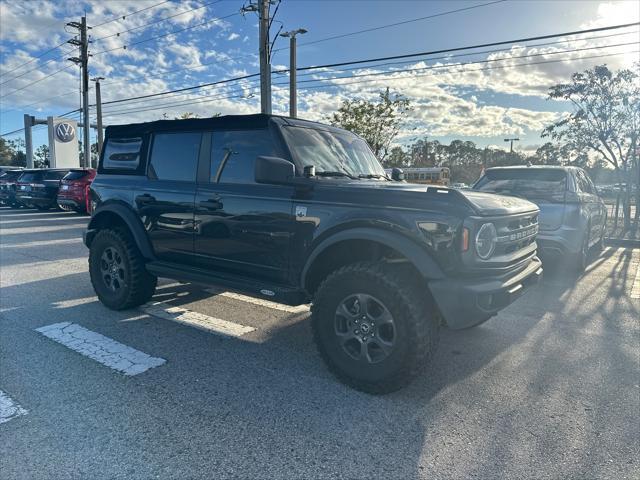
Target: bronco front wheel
(373, 327)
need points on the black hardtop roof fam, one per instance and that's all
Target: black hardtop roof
(231, 122)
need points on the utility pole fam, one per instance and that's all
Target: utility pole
(511, 140)
(265, 60)
(99, 113)
(83, 61)
(293, 65)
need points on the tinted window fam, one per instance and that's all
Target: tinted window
(30, 177)
(75, 175)
(238, 150)
(174, 156)
(9, 176)
(122, 153)
(530, 183)
(55, 175)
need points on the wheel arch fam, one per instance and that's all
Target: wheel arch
(358, 244)
(116, 215)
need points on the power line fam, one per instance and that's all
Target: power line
(124, 47)
(404, 22)
(123, 17)
(429, 59)
(491, 60)
(155, 22)
(447, 50)
(32, 60)
(388, 74)
(359, 62)
(493, 67)
(39, 66)
(37, 81)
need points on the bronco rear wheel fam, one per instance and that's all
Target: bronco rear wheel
(117, 270)
(373, 327)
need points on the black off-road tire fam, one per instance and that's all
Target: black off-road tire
(413, 313)
(138, 285)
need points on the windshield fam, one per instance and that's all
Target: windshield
(331, 152)
(534, 184)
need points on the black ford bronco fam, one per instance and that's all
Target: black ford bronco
(296, 212)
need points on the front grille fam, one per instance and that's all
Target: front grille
(516, 234)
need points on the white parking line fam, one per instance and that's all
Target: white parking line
(635, 289)
(42, 243)
(9, 409)
(197, 320)
(259, 301)
(78, 219)
(102, 349)
(40, 229)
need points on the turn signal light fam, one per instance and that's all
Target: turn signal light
(465, 239)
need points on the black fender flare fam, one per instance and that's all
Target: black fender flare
(416, 254)
(130, 219)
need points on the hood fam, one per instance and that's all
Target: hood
(490, 204)
(483, 204)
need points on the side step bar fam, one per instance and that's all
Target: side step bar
(269, 291)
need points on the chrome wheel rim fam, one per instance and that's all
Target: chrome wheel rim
(365, 328)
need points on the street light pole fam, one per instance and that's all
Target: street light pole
(99, 113)
(265, 54)
(511, 140)
(293, 65)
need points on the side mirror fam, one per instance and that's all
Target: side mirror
(274, 170)
(397, 174)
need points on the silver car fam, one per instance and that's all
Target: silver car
(572, 214)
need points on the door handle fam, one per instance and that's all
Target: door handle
(145, 198)
(212, 204)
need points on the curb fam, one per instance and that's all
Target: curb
(622, 242)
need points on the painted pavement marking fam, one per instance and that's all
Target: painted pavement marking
(260, 302)
(195, 319)
(104, 350)
(9, 409)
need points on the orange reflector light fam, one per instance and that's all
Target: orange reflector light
(465, 239)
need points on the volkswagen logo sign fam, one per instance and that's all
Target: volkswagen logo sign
(65, 132)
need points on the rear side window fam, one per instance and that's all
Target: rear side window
(234, 153)
(529, 183)
(174, 156)
(75, 175)
(30, 177)
(122, 153)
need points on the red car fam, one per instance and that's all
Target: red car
(74, 189)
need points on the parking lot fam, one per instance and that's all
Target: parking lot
(210, 384)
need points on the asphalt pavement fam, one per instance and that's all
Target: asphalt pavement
(203, 383)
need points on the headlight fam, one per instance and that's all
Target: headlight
(486, 240)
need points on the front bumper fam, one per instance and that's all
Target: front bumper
(466, 302)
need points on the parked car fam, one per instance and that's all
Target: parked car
(38, 187)
(74, 189)
(572, 215)
(8, 188)
(296, 211)
(459, 185)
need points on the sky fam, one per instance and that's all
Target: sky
(483, 95)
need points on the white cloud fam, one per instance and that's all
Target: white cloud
(233, 36)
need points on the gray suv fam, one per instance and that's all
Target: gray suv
(572, 215)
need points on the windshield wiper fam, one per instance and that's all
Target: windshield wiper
(373, 175)
(328, 173)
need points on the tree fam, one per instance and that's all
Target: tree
(12, 153)
(41, 157)
(605, 120)
(186, 115)
(378, 123)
